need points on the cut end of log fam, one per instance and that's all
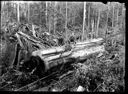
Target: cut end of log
(80, 89)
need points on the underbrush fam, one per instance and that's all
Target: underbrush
(104, 73)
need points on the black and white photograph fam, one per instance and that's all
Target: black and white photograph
(62, 46)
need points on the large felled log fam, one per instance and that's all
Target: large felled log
(65, 57)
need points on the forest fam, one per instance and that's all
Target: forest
(51, 30)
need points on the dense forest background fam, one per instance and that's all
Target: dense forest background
(57, 17)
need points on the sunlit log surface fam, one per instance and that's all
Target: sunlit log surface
(48, 51)
(87, 51)
(61, 49)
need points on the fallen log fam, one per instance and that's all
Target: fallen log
(87, 51)
(53, 57)
(69, 56)
(48, 51)
(90, 41)
(62, 48)
(77, 47)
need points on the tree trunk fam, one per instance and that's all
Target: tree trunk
(55, 17)
(95, 24)
(88, 16)
(18, 13)
(113, 17)
(122, 16)
(66, 22)
(92, 32)
(124, 10)
(28, 11)
(84, 22)
(106, 22)
(49, 24)
(117, 14)
(46, 13)
(98, 23)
